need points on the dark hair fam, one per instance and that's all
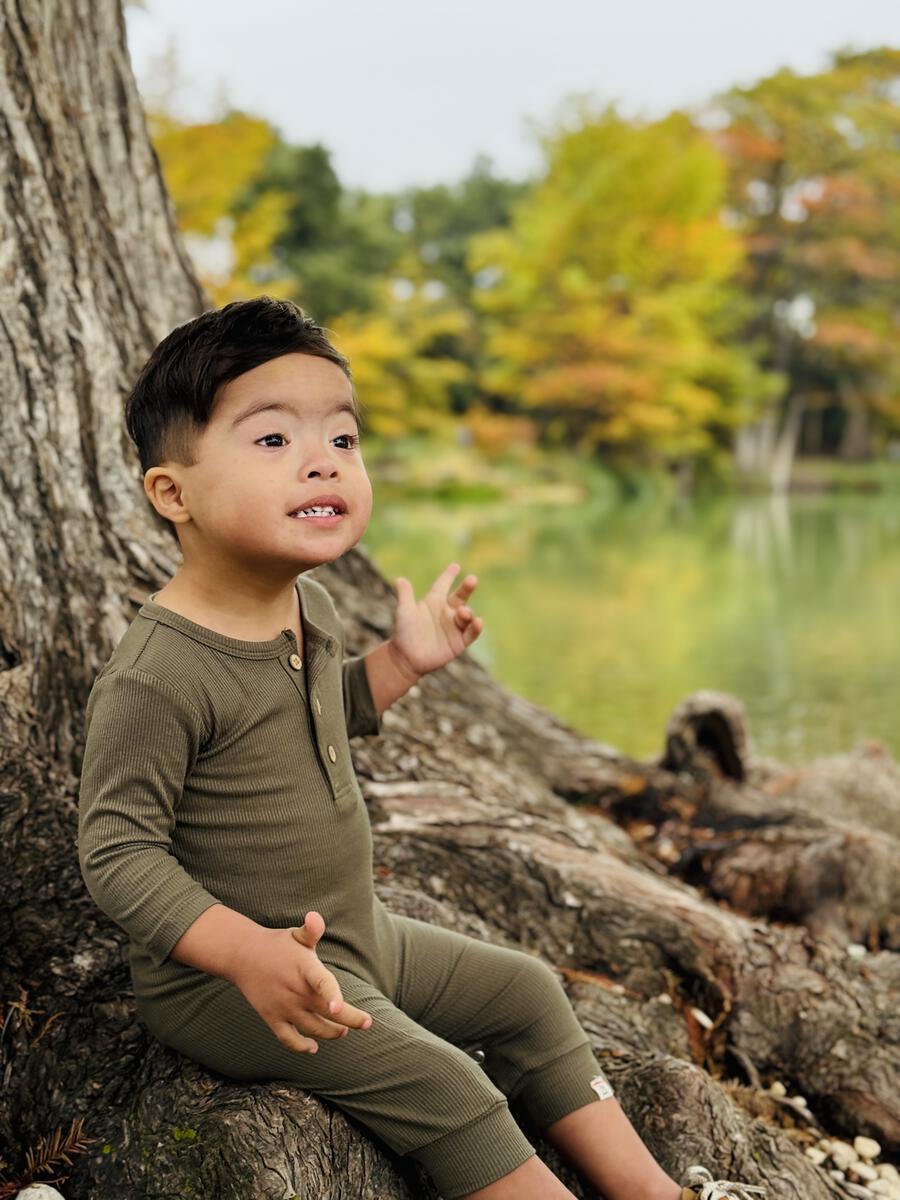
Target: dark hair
(172, 399)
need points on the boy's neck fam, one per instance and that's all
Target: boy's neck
(178, 597)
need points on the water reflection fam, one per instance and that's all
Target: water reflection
(609, 617)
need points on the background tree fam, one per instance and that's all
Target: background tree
(814, 186)
(610, 301)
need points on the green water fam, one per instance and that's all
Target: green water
(609, 617)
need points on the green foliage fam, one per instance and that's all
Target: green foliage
(609, 317)
(814, 184)
(334, 244)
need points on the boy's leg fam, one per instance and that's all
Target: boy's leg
(508, 1003)
(422, 1096)
(513, 1006)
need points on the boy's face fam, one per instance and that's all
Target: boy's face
(253, 470)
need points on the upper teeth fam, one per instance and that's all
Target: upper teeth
(327, 510)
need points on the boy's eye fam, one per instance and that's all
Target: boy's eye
(351, 438)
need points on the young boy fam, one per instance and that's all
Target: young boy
(219, 803)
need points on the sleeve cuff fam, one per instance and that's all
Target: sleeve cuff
(169, 933)
(359, 705)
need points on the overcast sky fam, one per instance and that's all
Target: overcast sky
(409, 91)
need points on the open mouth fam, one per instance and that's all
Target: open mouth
(319, 514)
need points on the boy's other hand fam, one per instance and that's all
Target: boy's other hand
(433, 631)
(281, 975)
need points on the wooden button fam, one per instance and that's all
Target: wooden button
(332, 753)
(296, 661)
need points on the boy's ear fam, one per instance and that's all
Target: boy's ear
(163, 489)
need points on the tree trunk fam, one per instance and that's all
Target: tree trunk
(855, 436)
(489, 815)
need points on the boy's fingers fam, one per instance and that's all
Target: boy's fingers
(288, 1036)
(314, 1025)
(442, 584)
(472, 630)
(405, 593)
(306, 934)
(350, 1015)
(465, 589)
(325, 984)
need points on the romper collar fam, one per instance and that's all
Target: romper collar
(239, 647)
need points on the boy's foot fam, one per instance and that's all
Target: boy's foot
(698, 1184)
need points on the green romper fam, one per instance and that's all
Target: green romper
(219, 770)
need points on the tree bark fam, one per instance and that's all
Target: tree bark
(489, 815)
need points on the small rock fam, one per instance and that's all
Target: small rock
(702, 1018)
(39, 1191)
(801, 1101)
(818, 1156)
(888, 1171)
(824, 1144)
(857, 950)
(836, 1174)
(857, 1189)
(864, 1171)
(866, 1148)
(842, 1154)
(882, 1187)
(777, 1089)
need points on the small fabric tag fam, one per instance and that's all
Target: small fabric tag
(601, 1086)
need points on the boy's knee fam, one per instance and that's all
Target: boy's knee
(538, 985)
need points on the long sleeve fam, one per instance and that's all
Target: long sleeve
(142, 740)
(359, 704)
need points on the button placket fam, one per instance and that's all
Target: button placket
(316, 665)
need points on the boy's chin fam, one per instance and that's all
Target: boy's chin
(329, 553)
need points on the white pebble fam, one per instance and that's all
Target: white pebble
(800, 1100)
(836, 1174)
(866, 1148)
(888, 1171)
(882, 1187)
(843, 1154)
(863, 1170)
(702, 1018)
(818, 1156)
(777, 1089)
(39, 1191)
(824, 1144)
(857, 950)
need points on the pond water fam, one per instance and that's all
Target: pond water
(609, 617)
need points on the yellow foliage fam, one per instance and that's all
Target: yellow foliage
(208, 170)
(607, 284)
(401, 387)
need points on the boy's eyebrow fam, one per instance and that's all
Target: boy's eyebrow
(283, 406)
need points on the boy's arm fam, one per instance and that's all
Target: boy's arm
(372, 682)
(142, 738)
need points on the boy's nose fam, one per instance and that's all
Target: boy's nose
(320, 467)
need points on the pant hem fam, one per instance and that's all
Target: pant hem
(479, 1153)
(560, 1087)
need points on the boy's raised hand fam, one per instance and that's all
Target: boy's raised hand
(281, 975)
(431, 632)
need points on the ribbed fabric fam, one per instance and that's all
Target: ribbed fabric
(207, 776)
(215, 769)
